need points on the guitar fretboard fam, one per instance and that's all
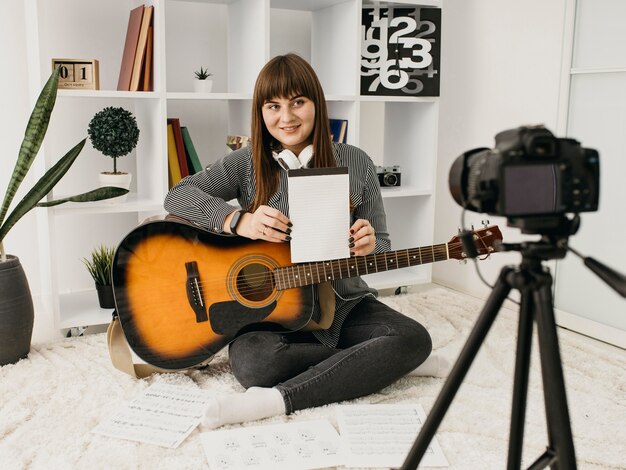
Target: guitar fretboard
(305, 274)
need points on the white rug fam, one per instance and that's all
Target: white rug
(53, 399)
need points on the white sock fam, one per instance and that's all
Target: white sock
(434, 366)
(255, 403)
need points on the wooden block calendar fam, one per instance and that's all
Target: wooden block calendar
(78, 74)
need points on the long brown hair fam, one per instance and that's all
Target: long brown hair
(285, 76)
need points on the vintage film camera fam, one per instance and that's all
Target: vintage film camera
(530, 173)
(389, 175)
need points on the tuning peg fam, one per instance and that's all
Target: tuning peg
(459, 229)
(472, 227)
(485, 222)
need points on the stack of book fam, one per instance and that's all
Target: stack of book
(136, 69)
(182, 158)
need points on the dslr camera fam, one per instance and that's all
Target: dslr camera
(530, 173)
(389, 175)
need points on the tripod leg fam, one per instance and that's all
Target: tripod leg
(520, 384)
(462, 365)
(557, 414)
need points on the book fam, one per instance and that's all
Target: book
(130, 48)
(180, 146)
(194, 162)
(338, 130)
(147, 74)
(173, 167)
(140, 52)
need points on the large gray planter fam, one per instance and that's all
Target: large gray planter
(16, 312)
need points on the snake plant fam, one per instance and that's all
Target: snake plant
(33, 138)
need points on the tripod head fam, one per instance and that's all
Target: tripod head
(554, 244)
(554, 231)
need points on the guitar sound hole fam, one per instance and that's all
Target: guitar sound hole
(254, 282)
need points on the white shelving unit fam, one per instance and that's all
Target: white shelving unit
(233, 39)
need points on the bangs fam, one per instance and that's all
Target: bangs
(287, 80)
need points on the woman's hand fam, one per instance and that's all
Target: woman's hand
(362, 238)
(266, 223)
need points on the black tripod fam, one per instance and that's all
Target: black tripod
(534, 283)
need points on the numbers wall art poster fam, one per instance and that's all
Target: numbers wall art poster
(400, 51)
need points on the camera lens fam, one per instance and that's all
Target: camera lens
(390, 179)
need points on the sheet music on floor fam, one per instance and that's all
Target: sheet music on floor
(319, 208)
(382, 435)
(163, 415)
(298, 445)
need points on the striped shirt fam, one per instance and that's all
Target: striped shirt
(202, 199)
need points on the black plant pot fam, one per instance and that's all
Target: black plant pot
(105, 296)
(16, 312)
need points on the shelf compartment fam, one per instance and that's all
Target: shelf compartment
(108, 94)
(210, 122)
(404, 191)
(208, 96)
(89, 29)
(133, 203)
(82, 309)
(399, 99)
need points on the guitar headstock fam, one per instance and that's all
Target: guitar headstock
(484, 240)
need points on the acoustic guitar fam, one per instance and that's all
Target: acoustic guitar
(183, 293)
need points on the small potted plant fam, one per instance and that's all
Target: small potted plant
(114, 132)
(203, 82)
(99, 265)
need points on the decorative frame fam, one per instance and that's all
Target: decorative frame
(400, 51)
(78, 74)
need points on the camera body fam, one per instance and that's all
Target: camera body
(530, 172)
(389, 175)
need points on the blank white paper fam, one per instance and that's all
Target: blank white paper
(319, 209)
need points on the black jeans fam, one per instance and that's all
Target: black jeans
(377, 346)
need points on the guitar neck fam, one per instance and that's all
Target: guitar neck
(304, 274)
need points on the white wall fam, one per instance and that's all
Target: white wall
(23, 239)
(500, 69)
(501, 64)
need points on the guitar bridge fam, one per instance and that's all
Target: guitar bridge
(194, 292)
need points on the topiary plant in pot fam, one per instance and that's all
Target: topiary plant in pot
(16, 304)
(114, 132)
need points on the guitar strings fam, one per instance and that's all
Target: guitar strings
(293, 268)
(261, 278)
(439, 249)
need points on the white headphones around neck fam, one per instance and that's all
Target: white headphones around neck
(288, 160)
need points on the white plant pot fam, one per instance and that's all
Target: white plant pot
(118, 180)
(203, 86)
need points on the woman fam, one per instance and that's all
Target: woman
(368, 345)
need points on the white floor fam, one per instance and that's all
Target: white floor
(52, 400)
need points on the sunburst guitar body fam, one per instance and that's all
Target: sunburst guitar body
(183, 293)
